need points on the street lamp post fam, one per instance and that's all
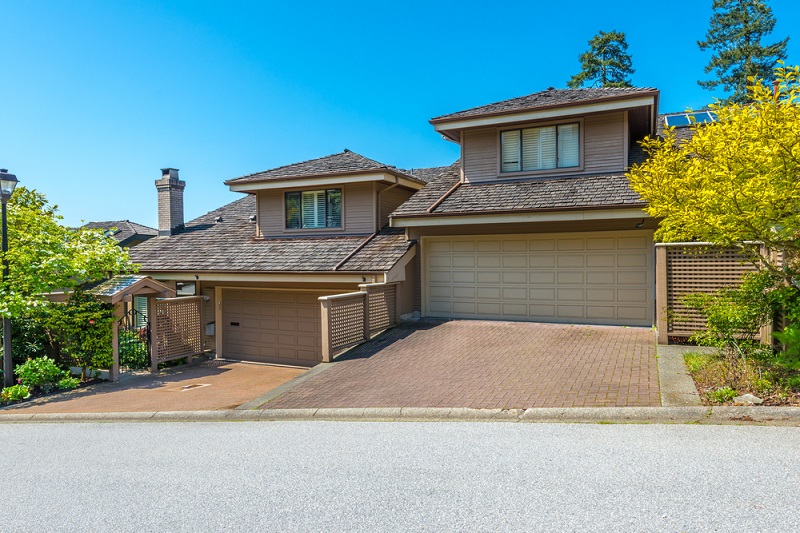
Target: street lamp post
(7, 184)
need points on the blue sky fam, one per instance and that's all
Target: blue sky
(97, 96)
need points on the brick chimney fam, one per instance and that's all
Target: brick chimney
(170, 201)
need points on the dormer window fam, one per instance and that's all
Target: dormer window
(314, 209)
(541, 148)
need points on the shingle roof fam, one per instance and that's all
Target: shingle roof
(682, 133)
(549, 98)
(573, 192)
(230, 246)
(125, 228)
(426, 174)
(436, 187)
(346, 162)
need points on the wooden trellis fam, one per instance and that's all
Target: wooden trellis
(177, 329)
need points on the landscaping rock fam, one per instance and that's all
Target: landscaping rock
(748, 399)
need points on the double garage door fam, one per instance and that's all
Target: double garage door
(584, 278)
(272, 326)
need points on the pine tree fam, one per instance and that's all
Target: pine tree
(607, 63)
(735, 32)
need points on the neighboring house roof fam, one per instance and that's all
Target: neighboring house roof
(426, 174)
(682, 133)
(549, 98)
(346, 162)
(126, 230)
(230, 246)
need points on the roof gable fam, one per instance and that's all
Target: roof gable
(343, 163)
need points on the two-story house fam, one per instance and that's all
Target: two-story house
(535, 221)
(538, 221)
(311, 229)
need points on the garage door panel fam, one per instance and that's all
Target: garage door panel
(632, 260)
(600, 312)
(571, 261)
(566, 244)
(515, 261)
(601, 277)
(542, 261)
(540, 245)
(570, 311)
(594, 277)
(274, 326)
(489, 261)
(606, 243)
(570, 278)
(518, 278)
(545, 278)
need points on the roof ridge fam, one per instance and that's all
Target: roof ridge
(343, 152)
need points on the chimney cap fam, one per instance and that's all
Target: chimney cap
(169, 170)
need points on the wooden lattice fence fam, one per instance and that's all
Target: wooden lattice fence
(355, 317)
(177, 329)
(687, 268)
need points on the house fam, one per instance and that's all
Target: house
(127, 234)
(535, 221)
(311, 229)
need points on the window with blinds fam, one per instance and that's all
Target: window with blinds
(314, 209)
(543, 148)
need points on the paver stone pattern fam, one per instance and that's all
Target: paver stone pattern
(489, 365)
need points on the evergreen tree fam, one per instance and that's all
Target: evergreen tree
(607, 63)
(735, 32)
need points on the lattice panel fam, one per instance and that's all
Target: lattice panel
(347, 322)
(693, 269)
(178, 332)
(382, 307)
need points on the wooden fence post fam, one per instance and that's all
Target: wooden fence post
(662, 308)
(113, 373)
(152, 316)
(367, 327)
(326, 330)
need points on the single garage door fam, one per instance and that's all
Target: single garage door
(272, 326)
(585, 278)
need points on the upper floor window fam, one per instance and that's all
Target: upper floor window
(314, 209)
(542, 148)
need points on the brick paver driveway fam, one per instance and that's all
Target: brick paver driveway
(487, 364)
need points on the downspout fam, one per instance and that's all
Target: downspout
(378, 215)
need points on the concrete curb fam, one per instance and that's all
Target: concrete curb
(755, 415)
(676, 385)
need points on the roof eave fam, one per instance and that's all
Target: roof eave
(449, 119)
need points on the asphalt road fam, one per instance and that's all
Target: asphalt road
(402, 476)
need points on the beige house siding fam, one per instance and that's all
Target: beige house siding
(603, 142)
(604, 145)
(388, 200)
(358, 204)
(480, 155)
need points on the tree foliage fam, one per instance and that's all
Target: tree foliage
(735, 34)
(607, 63)
(735, 181)
(45, 256)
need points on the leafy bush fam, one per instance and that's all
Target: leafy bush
(722, 395)
(133, 350)
(68, 383)
(14, 393)
(41, 372)
(83, 327)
